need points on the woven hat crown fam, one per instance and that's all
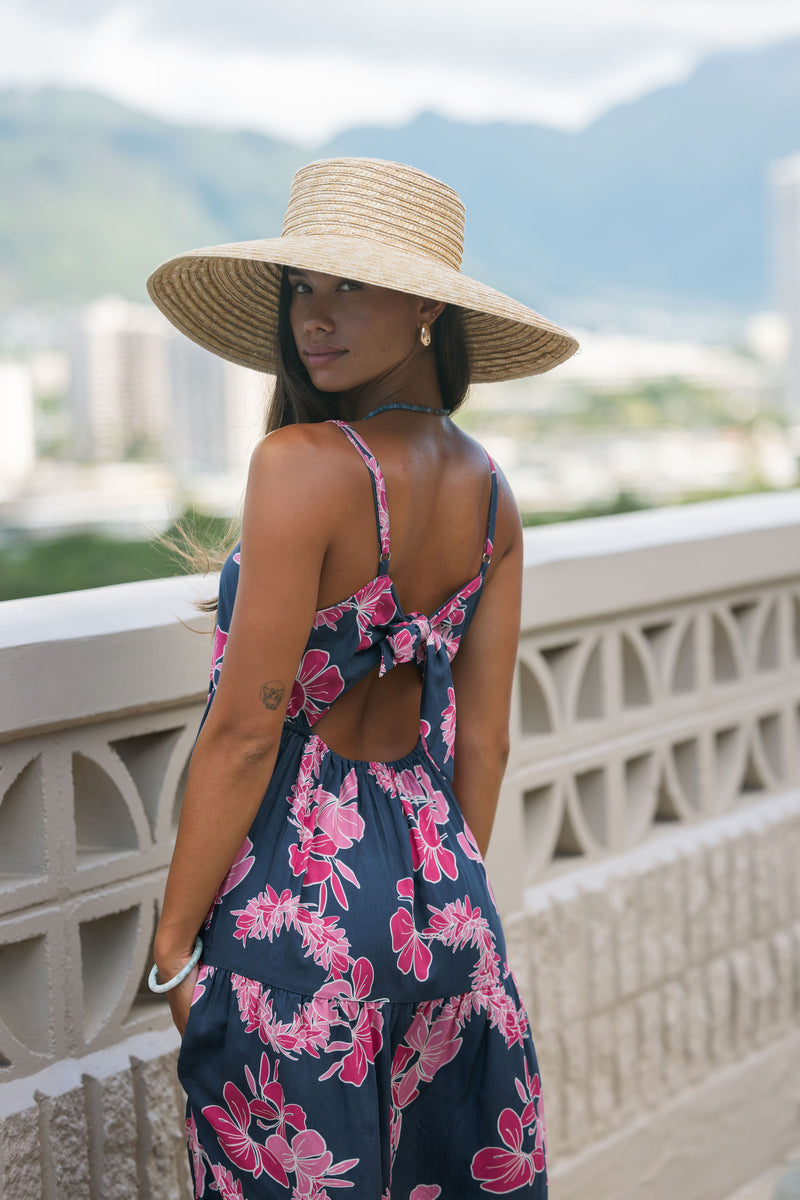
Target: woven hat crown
(386, 203)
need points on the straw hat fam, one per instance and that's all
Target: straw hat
(374, 221)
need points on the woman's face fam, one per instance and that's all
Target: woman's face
(347, 333)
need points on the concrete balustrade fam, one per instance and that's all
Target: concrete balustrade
(646, 859)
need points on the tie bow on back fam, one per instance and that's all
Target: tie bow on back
(410, 639)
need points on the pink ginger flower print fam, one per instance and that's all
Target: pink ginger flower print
(349, 992)
(330, 617)
(533, 1114)
(426, 1191)
(449, 723)
(374, 604)
(331, 823)
(503, 1014)
(316, 687)
(403, 645)
(466, 841)
(453, 612)
(266, 915)
(362, 1019)
(458, 924)
(384, 777)
(338, 815)
(428, 850)
(417, 786)
(407, 943)
(325, 941)
(308, 1158)
(367, 1039)
(503, 1170)
(228, 1187)
(196, 1152)
(272, 1107)
(437, 1044)
(205, 972)
(237, 871)
(430, 1043)
(239, 868)
(232, 1128)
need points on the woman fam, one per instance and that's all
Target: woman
(354, 1022)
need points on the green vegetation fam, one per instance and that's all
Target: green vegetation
(669, 402)
(38, 567)
(629, 502)
(621, 503)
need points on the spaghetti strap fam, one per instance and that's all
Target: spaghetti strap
(488, 544)
(378, 492)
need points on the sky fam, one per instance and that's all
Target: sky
(306, 71)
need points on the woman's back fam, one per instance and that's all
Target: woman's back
(438, 491)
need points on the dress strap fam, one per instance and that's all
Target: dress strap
(378, 491)
(489, 540)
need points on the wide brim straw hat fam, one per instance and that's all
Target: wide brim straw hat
(364, 219)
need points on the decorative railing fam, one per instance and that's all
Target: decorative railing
(658, 681)
(102, 693)
(657, 704)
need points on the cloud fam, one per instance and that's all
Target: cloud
(306, 71)
(513, 32)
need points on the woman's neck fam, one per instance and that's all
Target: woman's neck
(416, 386)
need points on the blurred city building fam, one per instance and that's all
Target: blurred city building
(217, 411)
(18, 443)
(785, 185)
(119, 391)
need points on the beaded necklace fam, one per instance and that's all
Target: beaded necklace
(439, 412)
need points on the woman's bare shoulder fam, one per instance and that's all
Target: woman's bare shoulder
(508, 527)
(314, 460)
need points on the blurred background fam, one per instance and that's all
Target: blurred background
(631, 169)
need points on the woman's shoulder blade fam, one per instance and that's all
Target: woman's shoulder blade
(304, 462)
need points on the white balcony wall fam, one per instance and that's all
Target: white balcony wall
(646, 859)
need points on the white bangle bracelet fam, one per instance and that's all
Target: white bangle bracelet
(155, 986)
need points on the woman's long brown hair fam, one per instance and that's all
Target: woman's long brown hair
(295, 400)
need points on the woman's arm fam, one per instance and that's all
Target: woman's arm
(284, 538)
(483, 672)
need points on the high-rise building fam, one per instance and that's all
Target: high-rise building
(140, 390)
(120, 391)
(785, 197)
(18, 443)
(217, 411)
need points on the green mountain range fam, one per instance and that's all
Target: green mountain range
(664, 200)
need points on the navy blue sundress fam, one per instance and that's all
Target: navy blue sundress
(355, 1022)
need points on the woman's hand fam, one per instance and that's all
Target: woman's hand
(180, 997)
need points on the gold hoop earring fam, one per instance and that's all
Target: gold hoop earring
(425, 334)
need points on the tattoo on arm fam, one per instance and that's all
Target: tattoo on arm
(272, 693)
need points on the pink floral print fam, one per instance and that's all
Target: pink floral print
(509, 1167)
(358, 894)
(407, 943)
(328, 824)
(228, 1187)
(317, 685)
(449, 723)
(302, 1154)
